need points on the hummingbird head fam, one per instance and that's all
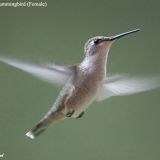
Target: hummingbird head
(101, 44)
(94, 45)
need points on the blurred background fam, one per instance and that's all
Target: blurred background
(121, 128)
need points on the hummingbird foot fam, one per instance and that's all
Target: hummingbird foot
(69, 113)
(80, 115)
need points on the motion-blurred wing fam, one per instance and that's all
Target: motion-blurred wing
(123, 85)
(53, 74)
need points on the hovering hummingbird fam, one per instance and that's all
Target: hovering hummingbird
(83, 83)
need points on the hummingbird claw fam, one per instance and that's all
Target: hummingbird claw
(69, 113)
(80, 115)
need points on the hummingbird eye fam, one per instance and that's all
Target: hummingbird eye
(97, 41)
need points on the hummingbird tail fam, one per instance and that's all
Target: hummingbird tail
(44, 123)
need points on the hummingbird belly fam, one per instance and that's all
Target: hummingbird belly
(80, 105)
(81, 96)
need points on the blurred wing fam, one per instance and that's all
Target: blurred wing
(123, 85)
(52, 74)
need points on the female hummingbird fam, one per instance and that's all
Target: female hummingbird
(83, 83)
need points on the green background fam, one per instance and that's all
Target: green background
(121, 128)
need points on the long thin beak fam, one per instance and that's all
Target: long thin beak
(121, 35)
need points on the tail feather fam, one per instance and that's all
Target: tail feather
(37, 130)
(44, 123)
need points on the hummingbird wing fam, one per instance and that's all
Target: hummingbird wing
(52, 74)
(123, 85)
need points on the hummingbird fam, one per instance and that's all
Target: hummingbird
(83, 83)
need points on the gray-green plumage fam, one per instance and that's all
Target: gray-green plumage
(53, 115)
